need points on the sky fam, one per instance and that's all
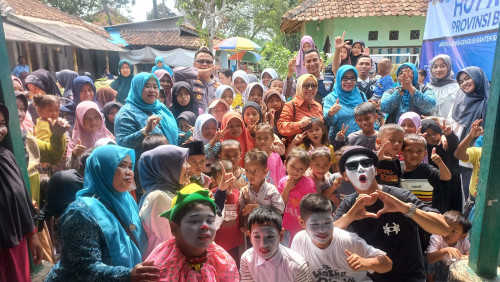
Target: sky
(141, 7)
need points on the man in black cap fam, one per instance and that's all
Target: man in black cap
(386, 217)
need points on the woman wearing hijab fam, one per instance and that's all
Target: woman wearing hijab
(471, 106)
(101, 232)
(163, 172)
(16, 216)
(444, 85)
(143, 114)
(408, 96)
(254, 92)
(109, 111)
(40, 82)
(180, 100)
(358, 48)
(83, 90)
(124, 80)
(296, 114)
(166, 83)
(240, 83)
(160, 64)
(237, 131)
(306, 43)
(65, 79)
(347, 95)
(105, 95)
(266, 77)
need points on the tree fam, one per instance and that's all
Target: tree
(87, 8)
(163, 12)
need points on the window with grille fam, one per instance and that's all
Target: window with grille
(373, 35)
(414, 34)
(394, 35)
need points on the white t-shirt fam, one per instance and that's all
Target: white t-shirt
(437, 243)
(330, 264)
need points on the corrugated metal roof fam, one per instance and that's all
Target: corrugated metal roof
(14, 33)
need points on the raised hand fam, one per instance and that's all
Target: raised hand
(435, 157)
(382, 153)
(209, 71)
(305, 121)
(341, 133)
(299, 138)
(58, 126)
(339, 42)
(291, 66)
(335, 108)
(358, 210)
(366, 51)
(151, 123)
(227, 179)
(406, 80)
(220, 134)
(249, 208)
(444, 127)
(391, 203)
(476, 129)
(78, 149)
(263, 107)
(270, 116)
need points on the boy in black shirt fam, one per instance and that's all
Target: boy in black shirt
(389, 143)
(386, 217)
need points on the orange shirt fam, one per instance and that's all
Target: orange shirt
(288, 124)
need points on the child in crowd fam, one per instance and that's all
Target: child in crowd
(252, 115)
(185, 123)
(274, 105)
(89, 127)
(434, 132)
(258, 192)
(264, 136)
(334, 254)
(293, 187)
(340, 187)
(230, 150)
(422, 74)
(225, 93)
(205, 130)
(389, 143)
(109, 110)
(444, 250)
(47, 107)
(240, 83)
(191, 255)
(365, 115)
(410, 122)
(385, 82)
(236, 130)
(225, 77)
(268, 260)
(319, 170)
(471, 155)
(427, 183)
(316, 136)
(277, 84)
(197, 163)
(218, 108)
(183, 99)
(228, 236)
(152, 141)
(254, 92)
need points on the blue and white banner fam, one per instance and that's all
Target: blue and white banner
(466, 30)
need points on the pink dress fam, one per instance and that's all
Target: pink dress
(219, 265)
(276, 168)
(292, 211)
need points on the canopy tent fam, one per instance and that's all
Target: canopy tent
(246, 56)
(237, 44)
(175, 58)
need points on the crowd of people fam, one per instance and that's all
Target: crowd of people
(199, 174)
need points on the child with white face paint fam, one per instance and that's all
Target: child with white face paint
(333, 253)
(268, 260)
(192, 254)
(387, 218)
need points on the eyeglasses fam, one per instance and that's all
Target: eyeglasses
(310, 86)
(346, 79)
(208, 62)
(366, 163)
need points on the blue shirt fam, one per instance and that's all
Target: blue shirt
(19, 69)
(383, 84)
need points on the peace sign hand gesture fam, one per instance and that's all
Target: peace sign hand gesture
(227, 179)
(341, 133)
(299, 137)
(476, 129)
(220, 134)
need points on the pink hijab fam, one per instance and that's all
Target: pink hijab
(88, 138)
(168, 95)
(300, 69)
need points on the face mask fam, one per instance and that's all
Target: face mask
(364, 175)
(319, 227)
(265, 241)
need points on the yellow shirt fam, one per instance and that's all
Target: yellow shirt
(42, 130)
(237, 101)
(474, 158)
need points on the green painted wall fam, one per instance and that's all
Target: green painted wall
(358, 28)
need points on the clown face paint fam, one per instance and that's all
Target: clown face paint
(319, 228)
(197, 230)
(265, 240)
(362, 177)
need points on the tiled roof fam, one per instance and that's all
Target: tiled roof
(317, 10)
(169, 38)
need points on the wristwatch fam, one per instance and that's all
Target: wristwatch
(144, 132)
(412, 211)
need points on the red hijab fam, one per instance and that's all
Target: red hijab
(245, 140)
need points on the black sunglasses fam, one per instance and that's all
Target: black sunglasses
(366, 163)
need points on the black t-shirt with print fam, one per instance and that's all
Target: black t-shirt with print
(392, 233)
(389, 172)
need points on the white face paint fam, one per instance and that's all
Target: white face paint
(361, 178)
(265, 240)
(197, 228)
(319, 227)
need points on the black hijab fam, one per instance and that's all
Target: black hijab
(44, 80)
(16, 210)
(176, 108)
(61, 192)
(105, 110)
(354, 59)
(253, 105)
